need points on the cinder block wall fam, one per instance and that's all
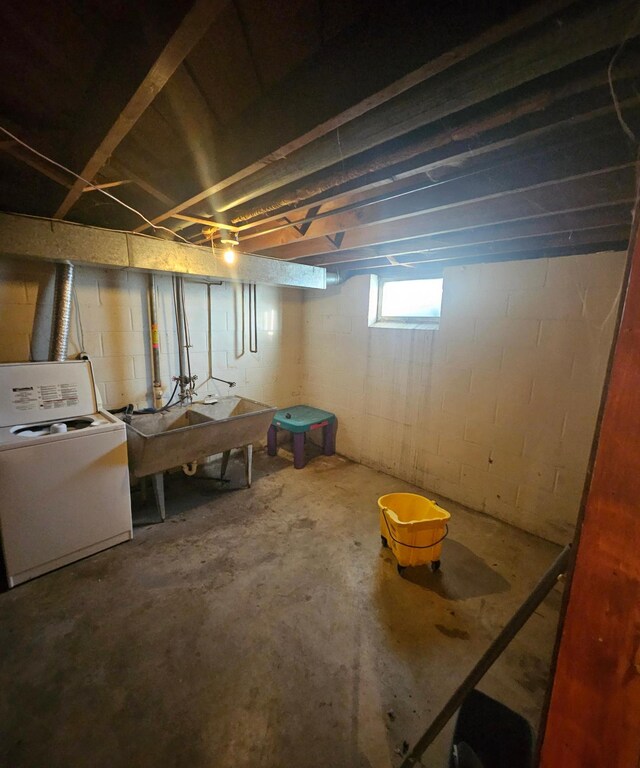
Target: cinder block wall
(497, 408)
(110, 322)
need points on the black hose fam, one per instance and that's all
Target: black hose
(129, 411)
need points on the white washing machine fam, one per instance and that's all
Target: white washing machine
(64, 480)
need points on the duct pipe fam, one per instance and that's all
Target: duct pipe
(336, 278)
(61, 312)
(158, 389)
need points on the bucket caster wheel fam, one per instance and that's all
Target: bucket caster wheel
(435, 565)
(402, 569)
(384, 541)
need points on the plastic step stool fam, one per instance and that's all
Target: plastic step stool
(298, 420)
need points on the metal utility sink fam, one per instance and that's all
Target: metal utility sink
(159, 441)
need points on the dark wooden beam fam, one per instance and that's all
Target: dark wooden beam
(537, 112)
(124, 170)
(313, 96)
(460, 185)
(572, 238)
(38, 164)
(594, 713)
(436, 268)
(597, 188)
(551, 224)
(190, 30)
(581, 32)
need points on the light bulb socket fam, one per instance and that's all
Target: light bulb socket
(230, 239)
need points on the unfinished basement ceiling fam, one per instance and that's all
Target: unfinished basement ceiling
(354, 135)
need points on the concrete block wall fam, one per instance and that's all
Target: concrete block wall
(110, 322)
(497, 408)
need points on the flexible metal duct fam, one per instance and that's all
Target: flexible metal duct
(61, 312)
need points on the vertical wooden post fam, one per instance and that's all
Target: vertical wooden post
(594, 710)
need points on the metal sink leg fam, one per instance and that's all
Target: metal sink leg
(157, 481)
(225, 464)
(248, 461)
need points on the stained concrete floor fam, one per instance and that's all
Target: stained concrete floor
(265, 628)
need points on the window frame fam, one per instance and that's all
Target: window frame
(377, 319)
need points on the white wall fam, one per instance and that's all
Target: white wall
(497, 408)
(110, 323)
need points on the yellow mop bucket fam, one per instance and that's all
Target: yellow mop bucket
(414, 528)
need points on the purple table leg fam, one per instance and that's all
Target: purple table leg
(272, 441)
(329, 438)
(298, 450)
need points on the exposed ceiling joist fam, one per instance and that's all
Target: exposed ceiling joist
(581, 32)
(38, 164)
(595, 188)
(568, 239)
(597, 217)
(193, 26)
(534, 114)
(332, 79)
(436, 268)
(458, 183)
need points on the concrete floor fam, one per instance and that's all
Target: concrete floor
(262, 628)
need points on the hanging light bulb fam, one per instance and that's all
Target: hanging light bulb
(230, 240)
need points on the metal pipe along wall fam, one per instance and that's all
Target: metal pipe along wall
(61, 312)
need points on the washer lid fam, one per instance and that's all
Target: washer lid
(36, 392)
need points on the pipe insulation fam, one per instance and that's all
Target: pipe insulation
(61, 312)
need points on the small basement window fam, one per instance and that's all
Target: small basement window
(405, 303)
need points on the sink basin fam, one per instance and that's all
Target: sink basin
(160, 441)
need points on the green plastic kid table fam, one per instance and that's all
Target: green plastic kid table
(299, 419)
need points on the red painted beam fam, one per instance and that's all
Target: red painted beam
(594, 712)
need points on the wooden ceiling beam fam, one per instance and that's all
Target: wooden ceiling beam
(534, 114)
(124, 170)
(550, 224)
(595, 188)
(190, 30)
(504, 66)
(528, 171)
(435, 269)
(38, 164)
(323, 84)
(569, 239)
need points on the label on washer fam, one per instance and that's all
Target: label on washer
(46, 397)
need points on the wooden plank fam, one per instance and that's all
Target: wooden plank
(460, 185)
(106, 185)
(319, 85)
(35, 162)
(205, 222)
(436, 268)
(535, 115)
(550, 224)
(123, 170)
(543, 242)
(594, 713)
(582, 191)
(191, 29)
(504, 67)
